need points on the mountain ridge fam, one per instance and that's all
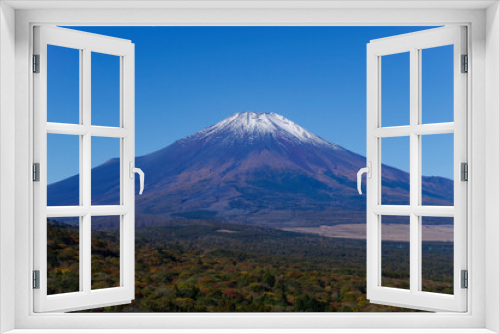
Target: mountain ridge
(253, 168)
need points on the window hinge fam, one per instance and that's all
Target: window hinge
(36, 63)
(464, 171)
(36, 279)
(465, 279)
(465, 64)
(36, 172)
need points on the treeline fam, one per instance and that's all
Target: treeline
(193, 266)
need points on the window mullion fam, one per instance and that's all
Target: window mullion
(85, 243)
(81, 246)
(85, 253)
(414, 171)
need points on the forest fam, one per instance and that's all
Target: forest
(202, 266)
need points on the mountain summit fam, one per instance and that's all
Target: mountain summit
(252, 168)
(251, 125)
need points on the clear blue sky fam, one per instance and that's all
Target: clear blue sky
(188, 78)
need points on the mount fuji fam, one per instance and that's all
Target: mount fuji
(252, 168)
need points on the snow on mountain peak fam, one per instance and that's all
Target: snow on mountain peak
(252, 125)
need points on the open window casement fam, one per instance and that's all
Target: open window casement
(415, 46)
(84, 210)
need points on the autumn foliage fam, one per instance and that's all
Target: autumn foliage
(200, 266)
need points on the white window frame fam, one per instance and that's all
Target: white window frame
(86, 44)
(414, 43)
(482, 19)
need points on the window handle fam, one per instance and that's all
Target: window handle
(368, 171)
(139, 171)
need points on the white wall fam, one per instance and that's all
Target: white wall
(492, 166)
(7, 160)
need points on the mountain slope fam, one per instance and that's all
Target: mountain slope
(253, 168)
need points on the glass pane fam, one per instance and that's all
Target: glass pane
(395, 171)
(105, 171)
(437, 254)
(437, 84)
(63, 255)
(105, 90)
(437, 169)
(395, 90)
(63, 85)
(395, 251)
(105, 252)
(63, 168)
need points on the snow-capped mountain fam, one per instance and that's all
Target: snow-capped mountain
(254, 168)
(251, 126)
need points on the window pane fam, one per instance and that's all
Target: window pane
(105, 171)
(105, 90)
(395, 90)
(437, 169)
(63, 167)
(437, 84)
(63, 255)
(395, 171)
(105, 252)
(63, 85)
(395, 251)
(437, 254)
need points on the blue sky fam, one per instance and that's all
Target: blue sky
(188, 78)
